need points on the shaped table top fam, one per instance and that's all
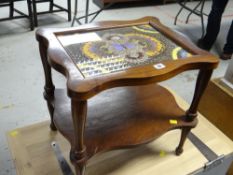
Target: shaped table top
(110, 54)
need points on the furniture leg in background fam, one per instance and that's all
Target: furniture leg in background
(53, 8)
(87, 14)
(13, 10)
(200, 13)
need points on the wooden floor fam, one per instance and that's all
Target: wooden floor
(33, 155)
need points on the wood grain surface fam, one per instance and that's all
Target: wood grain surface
(84, 88)
(132, 110)
(33, 155)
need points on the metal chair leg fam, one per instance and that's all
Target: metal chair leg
(51, 6)
(179, 11)
(100, 10)
(11, 15)
(87, 14)
(202, 18)
(75, 12)
(30, 16)
(191, 12)
(87, 11)
(69, 9)
(34, 12)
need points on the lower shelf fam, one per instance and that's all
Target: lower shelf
(122, 117)
(31, 151)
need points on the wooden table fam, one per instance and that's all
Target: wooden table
(111, 100)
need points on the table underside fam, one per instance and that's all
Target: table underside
(122, 117)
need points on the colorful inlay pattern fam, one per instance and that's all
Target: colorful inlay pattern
(122, 48)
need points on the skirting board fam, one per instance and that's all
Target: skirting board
(33, 155)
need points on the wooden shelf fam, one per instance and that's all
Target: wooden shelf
(112, 91)
(122, 117)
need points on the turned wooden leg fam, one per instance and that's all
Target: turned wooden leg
(48, 95)
(78, 151)
(78, 159)
(80, 169)
(184, 133)
(49, 87)
(201, 84)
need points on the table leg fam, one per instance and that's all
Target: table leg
(184, 133)
(49, 87)
(201, 84)
(78, 151)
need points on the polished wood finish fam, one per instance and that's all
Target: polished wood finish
(49, 87)
(134, 110)
(106, 127)
(31, 151)
(216, 105)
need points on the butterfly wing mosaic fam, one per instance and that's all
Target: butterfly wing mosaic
(123, 48)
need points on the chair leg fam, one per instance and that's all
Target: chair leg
(34, 11)
(69, 9)
(181, 8)
(51, 6)
(75, 12)
(11, 9)
(191, 12)
(202, 18)
(30, 16)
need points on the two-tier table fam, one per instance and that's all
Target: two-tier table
(112, 100)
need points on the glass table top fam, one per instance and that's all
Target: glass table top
(112, 50)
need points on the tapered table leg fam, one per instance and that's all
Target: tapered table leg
(49, 87)
(78, 152)
(201, 84)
